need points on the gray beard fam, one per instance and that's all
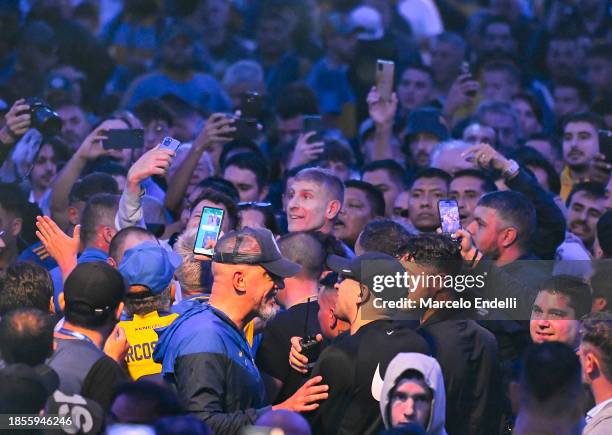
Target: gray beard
(266, 312)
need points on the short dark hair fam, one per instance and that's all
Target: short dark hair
(582, 87)
(589, 117)
(384, 235)
(165, 400)
(596, 331)
(251, 162)
(551, 370)
(12, 199)
(296, 99)
(221, 185)
(430, 173)
(306, 250)
(395, 170)
(337, 151)
(416, 66)
(488, 185)
(146, 302)
(244, 145)
(217, 197)
(92, 184)
(533, 103)
(24, 285)
(100, 209)
(116, 247)
(437, 252)
(596, 190)
(514, 208)
(153, 109)
(577, 291)
(266, 210)
(374, 196)
(527, 156)
(26, 336)
(108, 166)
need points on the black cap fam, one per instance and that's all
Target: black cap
(254, 246)
(365, 267)
(94, 289)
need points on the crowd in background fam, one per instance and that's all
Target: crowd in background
(106, 313)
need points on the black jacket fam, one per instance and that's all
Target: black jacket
(467, 354)
(550, 222)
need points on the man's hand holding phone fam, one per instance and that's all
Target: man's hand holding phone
(153, 162)
(462, 92)
(381, 111)
(219, 129)
(305, 151)
(92, 147)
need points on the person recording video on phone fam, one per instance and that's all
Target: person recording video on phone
(216, 374)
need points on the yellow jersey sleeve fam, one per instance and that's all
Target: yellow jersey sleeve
(140, 333)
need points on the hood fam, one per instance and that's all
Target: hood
(164, 353)
(432, 373)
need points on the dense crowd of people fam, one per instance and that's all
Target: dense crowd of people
(329, 171)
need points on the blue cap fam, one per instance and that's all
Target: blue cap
(150, 265)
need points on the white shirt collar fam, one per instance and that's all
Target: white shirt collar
(598, 408)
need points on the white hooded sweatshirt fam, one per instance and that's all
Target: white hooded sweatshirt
(432, 373)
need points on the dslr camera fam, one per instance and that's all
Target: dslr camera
(43, 117)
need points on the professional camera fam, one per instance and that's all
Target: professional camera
(43, 117)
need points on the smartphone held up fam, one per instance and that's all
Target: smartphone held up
(209, 228)
(450, 220)
(385, 71)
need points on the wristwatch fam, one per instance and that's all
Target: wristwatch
(511, 170)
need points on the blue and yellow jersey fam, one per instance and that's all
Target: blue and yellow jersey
(140, 332)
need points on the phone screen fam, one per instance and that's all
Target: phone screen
(131, 138)
(450, 220)
(169, 143)
(208, 229)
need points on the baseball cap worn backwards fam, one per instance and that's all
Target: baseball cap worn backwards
(150, 265)
(255, 246)
(94, 288)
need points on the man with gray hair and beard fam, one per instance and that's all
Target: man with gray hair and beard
(204, 352)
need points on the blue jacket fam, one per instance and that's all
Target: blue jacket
(209, 360)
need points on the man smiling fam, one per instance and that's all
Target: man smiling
(314, 200)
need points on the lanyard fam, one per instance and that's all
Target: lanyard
(75, 334)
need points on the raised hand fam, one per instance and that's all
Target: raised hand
(92, 148)
(153, 162)
(462, 92)
(17, 122)
(63, 248)
(381, 111)
(219, 129)
(304, 151)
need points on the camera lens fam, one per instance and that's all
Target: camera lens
(43, 118)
